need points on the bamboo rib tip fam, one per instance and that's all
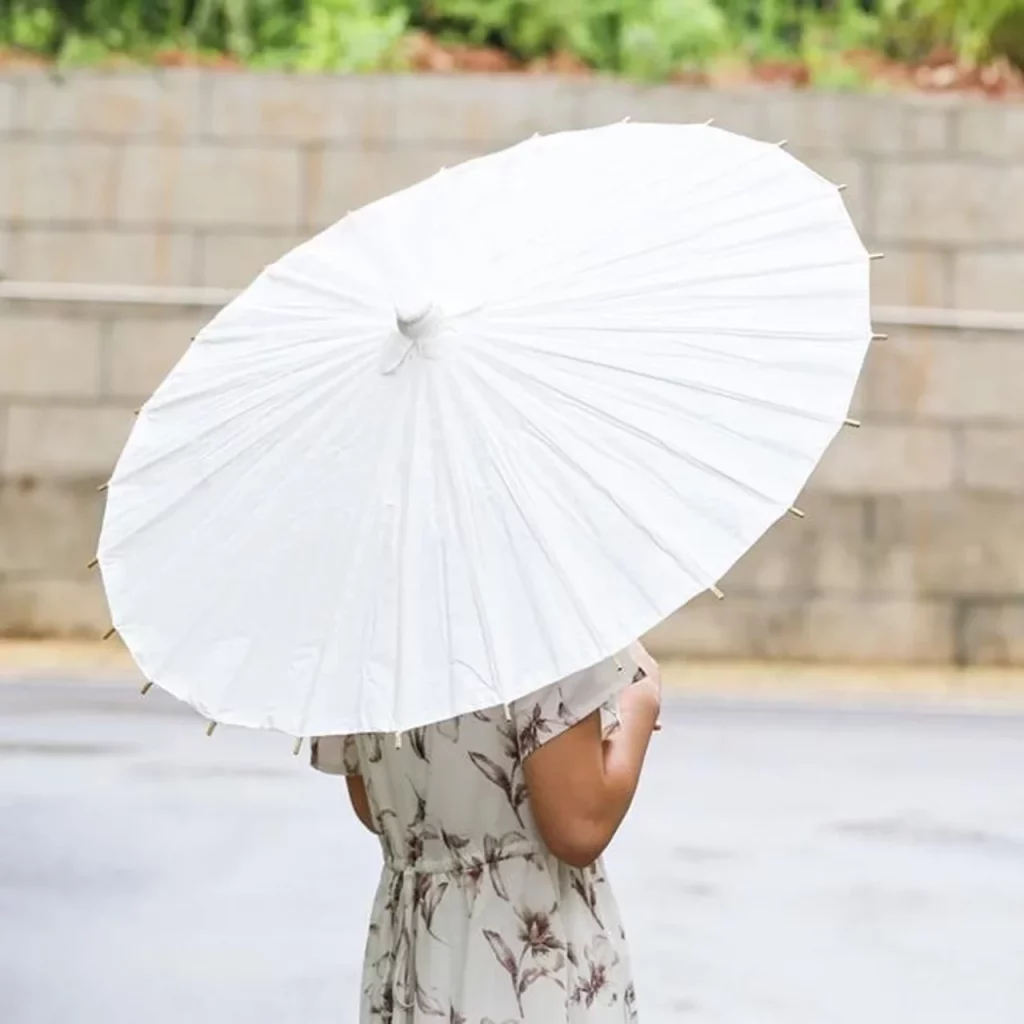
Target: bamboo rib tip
(798, 512)
(110, 632)
(93, 564)
(876, 255)
(879, 337)
(146, 687)
(210, 727)
(297, 748)
(843, 187)
(782, 143)
(398, 741)
(709, 122)
(103, 487)
(717, 593)
(851, 423)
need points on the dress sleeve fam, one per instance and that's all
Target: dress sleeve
(335, 755)
(545, 714)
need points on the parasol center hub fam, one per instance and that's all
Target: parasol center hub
(419, 331)
(418, 323)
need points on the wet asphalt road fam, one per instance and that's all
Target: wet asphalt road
(784, 864)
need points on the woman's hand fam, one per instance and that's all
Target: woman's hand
(651, 674)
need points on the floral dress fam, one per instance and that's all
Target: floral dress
(474, 921)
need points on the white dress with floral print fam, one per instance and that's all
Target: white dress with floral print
(474, 921)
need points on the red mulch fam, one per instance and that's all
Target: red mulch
(940, 72)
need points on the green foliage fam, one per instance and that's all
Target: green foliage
(670, 34)
(29, 26)
(1008, 35)
(647, 39)
(642, 38)
(967, 25)
(348, 35)
(970, 28)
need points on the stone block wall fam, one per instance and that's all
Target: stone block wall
(913, 546)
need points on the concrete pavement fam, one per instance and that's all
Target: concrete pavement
(787, 862)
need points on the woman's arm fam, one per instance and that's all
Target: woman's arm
(360, 801)
(581, 786)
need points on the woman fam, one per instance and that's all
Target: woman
(493, 906)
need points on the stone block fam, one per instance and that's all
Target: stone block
(928, 124)
(6, 251)
(989, 280)
(912, 277)
(992, 459)
(9, 104)
(945, 375)
(49, 356)
(702, 630)
(819, 553)
(947, 202)
(896, 378)
(116, 104)
(210, 186)
(65, 442)
(48, 527)
(889, 554)
(831, 122)
(810, 628)
(607, 100)
(955, 544)
(57, 181)
(103, 255)
(888, 458)
(337, 181)
(990, 130)
(844, 170)
(334, 109)
(482, 109)
(993, 634)
(893, 630)
(53, 607)
(141, 351)
(229, 259)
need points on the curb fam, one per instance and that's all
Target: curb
(21, 659)
(961, 689)
(87, 659)
(774, 676)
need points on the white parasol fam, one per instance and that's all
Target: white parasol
(485, 432)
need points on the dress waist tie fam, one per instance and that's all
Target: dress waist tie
(405, 899)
